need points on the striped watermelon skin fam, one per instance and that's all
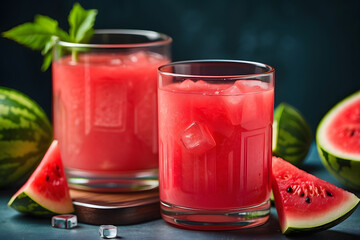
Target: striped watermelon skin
(25, 135)
(294, 138)
(346, 171)
(26, 204)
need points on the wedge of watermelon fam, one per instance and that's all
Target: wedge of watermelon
(306, 203)
(46, 192)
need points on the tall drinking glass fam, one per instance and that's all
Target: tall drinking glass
(105, 109)
(215, 133)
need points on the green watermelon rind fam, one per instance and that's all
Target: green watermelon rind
(345, 170)
(292, 140)
(343, 167)
(293, 230)
(24, 129)
(25, 204)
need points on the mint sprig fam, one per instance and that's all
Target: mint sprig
(43, 33)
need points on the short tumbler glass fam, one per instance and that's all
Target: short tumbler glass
(105, 109)
(215, 134)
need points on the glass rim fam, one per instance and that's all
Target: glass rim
(163, 39)
(270, 70)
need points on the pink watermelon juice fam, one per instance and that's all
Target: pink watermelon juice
(215, 144)
(105, 111)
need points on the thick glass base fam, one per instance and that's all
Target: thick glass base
(203, 219)
(112, 182)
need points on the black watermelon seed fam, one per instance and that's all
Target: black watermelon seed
(289, 190)
(329, 193)
(47, 178)
(302, 194)
(307, 199)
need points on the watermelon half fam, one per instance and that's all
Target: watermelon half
(306, 203)
(338, 141)
(46, 192)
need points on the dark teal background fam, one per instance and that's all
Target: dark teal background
(313, 45)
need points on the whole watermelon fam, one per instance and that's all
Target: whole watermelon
(25, 135)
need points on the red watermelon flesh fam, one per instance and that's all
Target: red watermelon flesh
(344, 131)
(46, 191)
(306, 203)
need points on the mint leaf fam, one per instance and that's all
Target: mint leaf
(81, 22)
(39, 35)
(49, 45)
(31, 35)
(43, 33)
(47, 61)
(52, 26)
(63, 36)
(88, 35)
(47, 23)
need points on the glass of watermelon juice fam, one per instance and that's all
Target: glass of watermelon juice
(215, 133)
(105, 109)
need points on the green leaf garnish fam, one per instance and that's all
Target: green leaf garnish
(81, 23)
(43, 33)
(46, 62)
(31, 35)
(49, 24)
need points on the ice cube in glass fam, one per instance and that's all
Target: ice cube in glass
(197, 138)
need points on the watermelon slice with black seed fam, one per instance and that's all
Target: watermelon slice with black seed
(46, 192)
(306, 203)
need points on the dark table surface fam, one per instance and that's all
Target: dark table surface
(14, 225)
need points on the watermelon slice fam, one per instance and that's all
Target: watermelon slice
(338, 141)
(306, 203)
(46, 192)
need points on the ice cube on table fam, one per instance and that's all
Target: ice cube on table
(108, 231)
(197, 138)
(64, 221)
